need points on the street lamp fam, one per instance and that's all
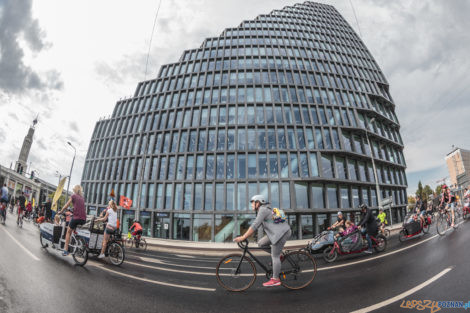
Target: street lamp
(377, 188)
(70, 175)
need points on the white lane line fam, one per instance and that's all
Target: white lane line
(156, 282)
(150, 260)
(185, 256)
(166, 269)
(404, 294)
(20, 245)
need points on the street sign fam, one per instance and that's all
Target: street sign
(385, 202)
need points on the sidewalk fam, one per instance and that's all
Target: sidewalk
(219, 248)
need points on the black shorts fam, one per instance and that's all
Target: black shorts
(74, 223)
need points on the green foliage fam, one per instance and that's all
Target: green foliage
(427, 192)
(411, 202)
(438, 189)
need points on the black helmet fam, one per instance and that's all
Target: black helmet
(363, 206)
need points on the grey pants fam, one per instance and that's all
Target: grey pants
(275, 251)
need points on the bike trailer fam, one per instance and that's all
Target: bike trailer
(322, 240)
(351, 242)
(411, 224)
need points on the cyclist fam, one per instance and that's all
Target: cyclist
(340, 223)
(370, 223)
(137, 229)
(79, 214)
(449, 200)
(21, 207)
(111, 226)
(275, 239)
(382, 220)
(420, 209)
(4, 201)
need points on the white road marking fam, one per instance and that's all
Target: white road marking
(20, 245)
(404, 294)
(166, 269)
(151, 260)
(185, 256)
(156, 282)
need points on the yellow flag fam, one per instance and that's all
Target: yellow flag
(34, 202)
(57, 194)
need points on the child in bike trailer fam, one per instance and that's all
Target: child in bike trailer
(382, 219)
(137, 229)
(277, 234)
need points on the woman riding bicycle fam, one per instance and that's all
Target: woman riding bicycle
(275, 239)
(111, 227)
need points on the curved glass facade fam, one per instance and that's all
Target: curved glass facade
(280, 105)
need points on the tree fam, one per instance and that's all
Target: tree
(427, 191)
(411, 202)
(419, 192)
(438, 189)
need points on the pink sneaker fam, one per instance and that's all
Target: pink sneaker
(272, 283)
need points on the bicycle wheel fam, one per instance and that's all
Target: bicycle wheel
(235, 272)
(80, 254)
(129, 242)
(442, 224)
(143, 244)
(116, 253)
(402, 235)
(298, 270)
(381, 243)
(387, 233)
(330, 254)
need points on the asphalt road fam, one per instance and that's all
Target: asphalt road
(36, 280)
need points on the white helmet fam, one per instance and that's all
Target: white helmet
(259, 198)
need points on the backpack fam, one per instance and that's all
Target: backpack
(279, 216)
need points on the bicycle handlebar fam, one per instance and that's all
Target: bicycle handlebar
(243, 244)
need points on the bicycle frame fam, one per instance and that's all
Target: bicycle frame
(263, 266)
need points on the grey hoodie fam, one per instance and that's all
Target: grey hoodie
(272, 230)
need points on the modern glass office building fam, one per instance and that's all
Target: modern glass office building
(284, 105)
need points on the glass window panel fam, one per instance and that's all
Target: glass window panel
(285, 204)
(355, 197)
(317, 196)
(275, 196)
(221, 139)
(303, 165)
(294, 164)
(187, 197)
(281, 138)
(208, 197)
(327, 168)
(189, 167)
(284, 165)
(210, 167)
(262, 165)
(301, 195)
(241, 165)
(345, 197)
(251, 165)
(242, 197)
(341, 167)
(352, 170)
(220, 166)
(332, 197)
(219, 197)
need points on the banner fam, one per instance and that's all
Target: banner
(125, 202)
(57, 194)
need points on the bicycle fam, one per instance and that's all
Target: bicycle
(444, 220)
(136, 242)
(237, 272)
(384, 231)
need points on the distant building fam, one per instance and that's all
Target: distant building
(458, 163)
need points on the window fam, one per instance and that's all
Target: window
(251, 165)
(208, 197)
(219, 197)
(301, 195)
(285, 196)
(332, 196)
(241, 166)
(327, 167)
(341, 167)
(352, 169)
(345, 197)
(317, 196)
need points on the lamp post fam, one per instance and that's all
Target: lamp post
(377, 188)
(70, 175)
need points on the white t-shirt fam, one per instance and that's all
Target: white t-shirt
(112, 218)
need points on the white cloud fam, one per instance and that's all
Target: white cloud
(98, 49)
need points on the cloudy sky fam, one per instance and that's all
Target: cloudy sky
(70, 61)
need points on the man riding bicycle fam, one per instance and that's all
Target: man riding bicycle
(370, 223)
(275, 239)
(4, 201)
(449, 200)
(137, 229)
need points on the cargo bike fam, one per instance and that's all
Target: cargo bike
(86, 240)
